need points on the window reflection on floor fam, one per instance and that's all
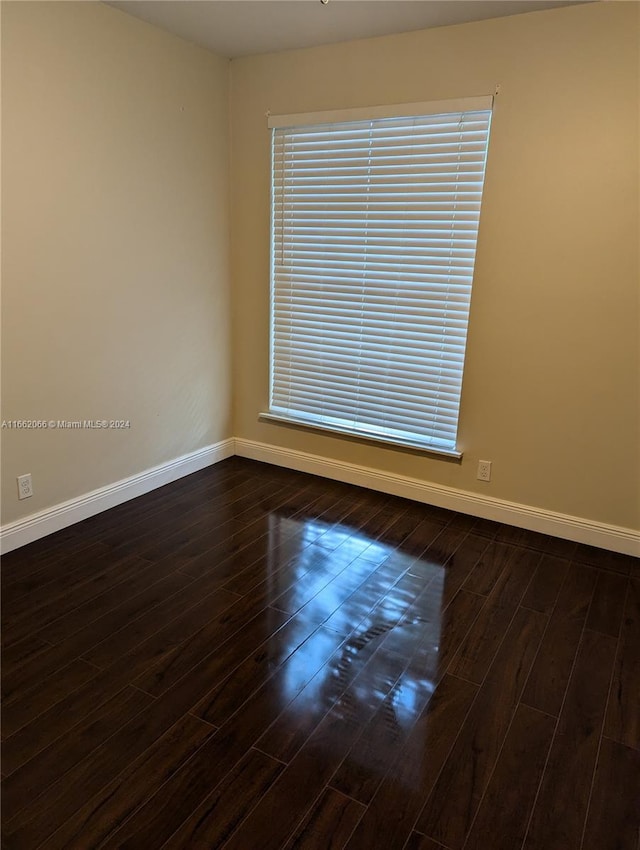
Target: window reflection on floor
(385, 605)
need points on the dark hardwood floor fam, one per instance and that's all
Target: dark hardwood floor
(256, 658)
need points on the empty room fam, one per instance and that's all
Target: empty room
(320, 446)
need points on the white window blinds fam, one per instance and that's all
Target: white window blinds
(374, 229)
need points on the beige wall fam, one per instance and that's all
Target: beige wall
(115, 235)
(552, 380)
(115, 246)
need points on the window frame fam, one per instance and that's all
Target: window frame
(303, 120)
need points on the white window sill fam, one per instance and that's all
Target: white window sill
(361, 435)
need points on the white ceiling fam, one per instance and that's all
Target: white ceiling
(242, 27)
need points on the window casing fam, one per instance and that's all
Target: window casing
(375, 218)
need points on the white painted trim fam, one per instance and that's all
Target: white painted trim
(361, 435)
(612, 537)
(24, 531)
(371, 113)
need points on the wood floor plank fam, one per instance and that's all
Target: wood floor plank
(367, 762)
(485, 527)
(365, 514)
(19, 563)
(355, 545)
(451, 807)
(25, 784)
(390, 582)
(330, 687)
(344, 717)
(287, 537)
(105, 625)
(436, 513)
(227, 640)
(110, 572)
(197, 488)
(20, 681)
(501, 822)
(398, 532)
(258, 710)
(394, 588)
(60, 718)
(422, 536)
(131, 596)
(482, 642)
(533, 540)
(204, 495)
(226, 697)
(603, 559)
(390, 525)
(550, 674)
(98, 626)
(23, 652)
(216, 545)
(357, 575)
(163, 644)
(182, 511)
(458, 618)
(248, 566)
(613, 822)
(572, 760)
(408, 621)
(216, 539)
(139, 658)
(225, 517)
(489, 567)
(64, 798)
(327, 507)
(101, 817)
(365, 522)
(31, 703)
(392, 812)
(201, 487)
(605, 614)
(462, 562)
(52, 578)
(441, 550)
(256, 713)
(300, 783)
(282, 560)
(623, 714)
(542, 593)
(215, 818)
(323, 570)
(329, 823)
(120, 642)
(417, 841)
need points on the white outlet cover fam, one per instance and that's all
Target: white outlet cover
(484, 470)
(25, 488)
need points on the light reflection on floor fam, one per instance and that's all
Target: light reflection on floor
(388, 660)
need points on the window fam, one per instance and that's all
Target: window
(374, 226)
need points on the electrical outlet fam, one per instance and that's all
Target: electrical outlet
(25, 487)
(484, 470)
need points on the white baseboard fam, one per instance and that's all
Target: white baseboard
(612, 537)
(45, 522)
